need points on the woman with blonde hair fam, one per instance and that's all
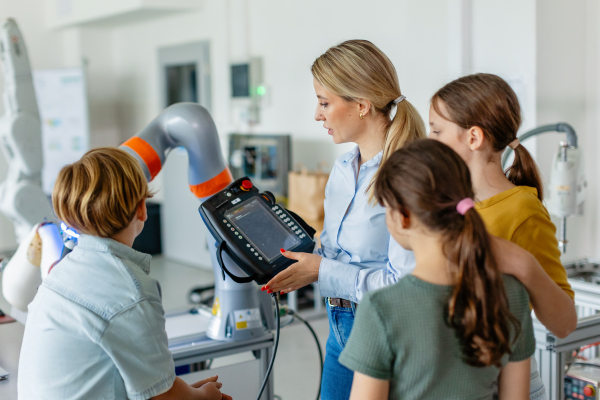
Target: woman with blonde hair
(359, 101)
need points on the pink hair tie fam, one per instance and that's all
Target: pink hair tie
(465, 205)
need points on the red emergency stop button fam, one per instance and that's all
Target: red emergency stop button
(246, 185)
(589, 391)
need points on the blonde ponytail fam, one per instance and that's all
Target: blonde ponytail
(406, 127)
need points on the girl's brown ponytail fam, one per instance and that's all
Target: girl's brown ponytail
(524, 171)
(478, 302)
(488, 102)
(427, 179)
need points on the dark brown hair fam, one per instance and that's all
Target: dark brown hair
(488, 102)
(426, 180)
(99, 194)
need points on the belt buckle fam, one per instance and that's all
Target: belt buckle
(329, 302)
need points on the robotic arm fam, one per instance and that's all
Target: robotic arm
(189, 125)
(22, 199)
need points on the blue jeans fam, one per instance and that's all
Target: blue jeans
(337, 379)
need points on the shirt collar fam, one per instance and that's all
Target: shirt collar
(352, 155)
(115, 248)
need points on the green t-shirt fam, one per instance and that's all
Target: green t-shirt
(400, 335)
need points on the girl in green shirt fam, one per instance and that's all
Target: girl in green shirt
(456, 325)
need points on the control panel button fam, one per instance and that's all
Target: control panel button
(248, 245)
(251, 250)
(260, 258)
(228, 194)
(240, 237)
(278, 212)
(224, 221)
(233, 229)
(589, 391)
(247, 184)
(275, 208)
(229, 225)
(236, 233)
(256, 254)
(286, 220)
(281, 216)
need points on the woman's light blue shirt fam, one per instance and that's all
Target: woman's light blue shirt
(359, 255)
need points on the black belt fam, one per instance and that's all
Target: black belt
(337, 302)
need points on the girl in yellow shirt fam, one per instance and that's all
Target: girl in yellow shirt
(478, 116)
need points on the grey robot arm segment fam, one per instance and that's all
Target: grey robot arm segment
(188, 125)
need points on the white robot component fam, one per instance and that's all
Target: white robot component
(566, 192)
(567, 188)
(34, 258)
(21, 197)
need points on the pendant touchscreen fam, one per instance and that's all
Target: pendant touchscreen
(264, 231)
(250, 228)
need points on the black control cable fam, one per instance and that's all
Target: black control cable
(296, 315)
(277, 328)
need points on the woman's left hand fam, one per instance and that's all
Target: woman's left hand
(302, 273)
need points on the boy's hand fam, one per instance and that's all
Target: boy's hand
(211, 389)
(204, 381)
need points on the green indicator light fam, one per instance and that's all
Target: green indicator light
(261, 90)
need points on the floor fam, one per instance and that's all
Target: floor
(296, 371)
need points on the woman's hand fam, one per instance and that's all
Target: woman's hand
(302, 273)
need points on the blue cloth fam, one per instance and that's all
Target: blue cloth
(337, 379)
(355, 242)
(96, 329)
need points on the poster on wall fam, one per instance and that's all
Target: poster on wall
(62, 102)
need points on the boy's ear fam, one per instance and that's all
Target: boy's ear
(142, 211)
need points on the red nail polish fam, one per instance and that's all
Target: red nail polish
(282, 250)
(266, 287)
(262, 288)
(281, 292)
(269, 291)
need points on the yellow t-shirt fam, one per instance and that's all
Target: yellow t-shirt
(519, 216)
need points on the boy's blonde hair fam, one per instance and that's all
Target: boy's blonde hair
(99, 194)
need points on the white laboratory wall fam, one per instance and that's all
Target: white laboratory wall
(430, 42)
(288, 35)
(504, 43)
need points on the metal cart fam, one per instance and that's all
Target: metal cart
(555, 355)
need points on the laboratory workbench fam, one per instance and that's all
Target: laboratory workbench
(11, 337)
